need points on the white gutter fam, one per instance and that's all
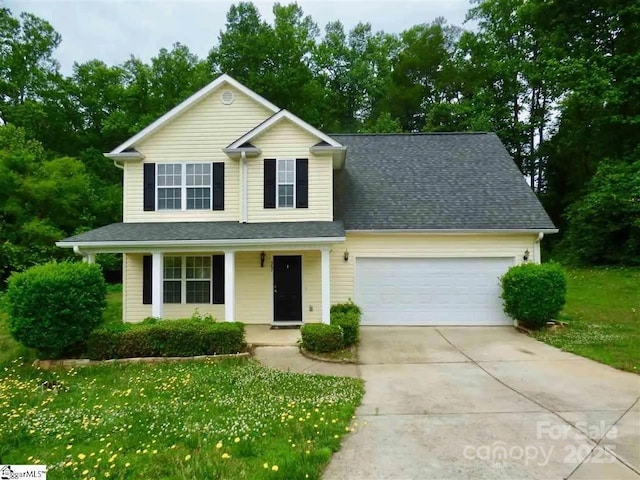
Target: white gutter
(227, 242)
(249, 151)
(124, 156)
(455, 231)
(537, 248)
(244, 218)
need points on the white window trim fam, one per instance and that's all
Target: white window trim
(278, 183)
(183, 188)
(183, 279)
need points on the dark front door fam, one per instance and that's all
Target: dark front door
(287, 288)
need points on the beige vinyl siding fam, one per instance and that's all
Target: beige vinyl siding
(254, 290)
(418, 245)
(286, 140)
(197, 135)
(254, 287)
(132, 308)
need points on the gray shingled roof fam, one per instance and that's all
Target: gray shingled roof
(433, 181)
(180, 231)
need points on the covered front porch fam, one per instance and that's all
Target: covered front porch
(278, 286)
(261, 273)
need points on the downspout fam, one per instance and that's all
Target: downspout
(537, 248)
(245, 187)
(115, 162)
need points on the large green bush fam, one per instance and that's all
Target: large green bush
(322, 338)
(347, 315)
(53, 307)
(534, 294)
(166, 338)
(603, 226)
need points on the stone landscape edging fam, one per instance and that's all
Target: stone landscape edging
(318, 358)
(85, 362)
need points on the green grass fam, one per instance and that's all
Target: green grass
(174, 421)
(602, 315)
(233, 419)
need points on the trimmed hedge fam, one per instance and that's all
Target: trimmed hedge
(166, 338)
(346, 307)
(534, 294)
(350, 323)
(53, 307)
(347, 315)
(321, 338)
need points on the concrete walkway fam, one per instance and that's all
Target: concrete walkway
(486, 403)
(290, 359)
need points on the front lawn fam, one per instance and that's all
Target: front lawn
(205, 420)
(602, 315)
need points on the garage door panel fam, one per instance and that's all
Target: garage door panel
(430, 291)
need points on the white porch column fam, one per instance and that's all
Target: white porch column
(326, 285)
(157, 293)
(90, 258)
(229, 286)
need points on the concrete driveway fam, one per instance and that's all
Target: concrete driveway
(487, 403)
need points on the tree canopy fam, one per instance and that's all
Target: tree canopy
(557, 80)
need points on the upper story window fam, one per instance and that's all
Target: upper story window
(184, 186)
(286, 183)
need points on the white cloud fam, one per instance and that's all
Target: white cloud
(113, 30)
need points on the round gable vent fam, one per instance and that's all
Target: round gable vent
(227, 97)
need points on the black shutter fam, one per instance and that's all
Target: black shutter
(149, 183)
(270, 183)
(217, 274)
(218, 186)
(302, 183)
(147, 271)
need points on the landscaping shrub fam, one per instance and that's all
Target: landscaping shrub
(346, 307)
(166, 338)
(53, 307)
(347, 315)
(350, 323)
(322, 338)
(534, 294)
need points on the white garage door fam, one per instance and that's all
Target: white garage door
(430, 291)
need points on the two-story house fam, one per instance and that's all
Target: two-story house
(242, 210)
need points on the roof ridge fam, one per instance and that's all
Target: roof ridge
(408, 134)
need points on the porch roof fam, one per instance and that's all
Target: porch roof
(189, 233)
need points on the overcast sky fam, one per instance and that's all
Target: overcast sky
(113, 30)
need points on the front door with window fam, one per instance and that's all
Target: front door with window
(287, 288)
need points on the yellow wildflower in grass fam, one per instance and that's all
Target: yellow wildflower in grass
(155, 451)
(265, 465)
(187, 458)
(237, 440)
(82, 456)
(226, 455)
(274, 468)
(127, 465)
(219, 445)
(84, 472)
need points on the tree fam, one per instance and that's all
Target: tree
(424, 74)
(604, 225)
(41, 201)
(26, 53)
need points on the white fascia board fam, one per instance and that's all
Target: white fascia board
(258, 242)
(514, 231)
(124, 156)
(237, 152)
(283, 114)
(192, 100)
